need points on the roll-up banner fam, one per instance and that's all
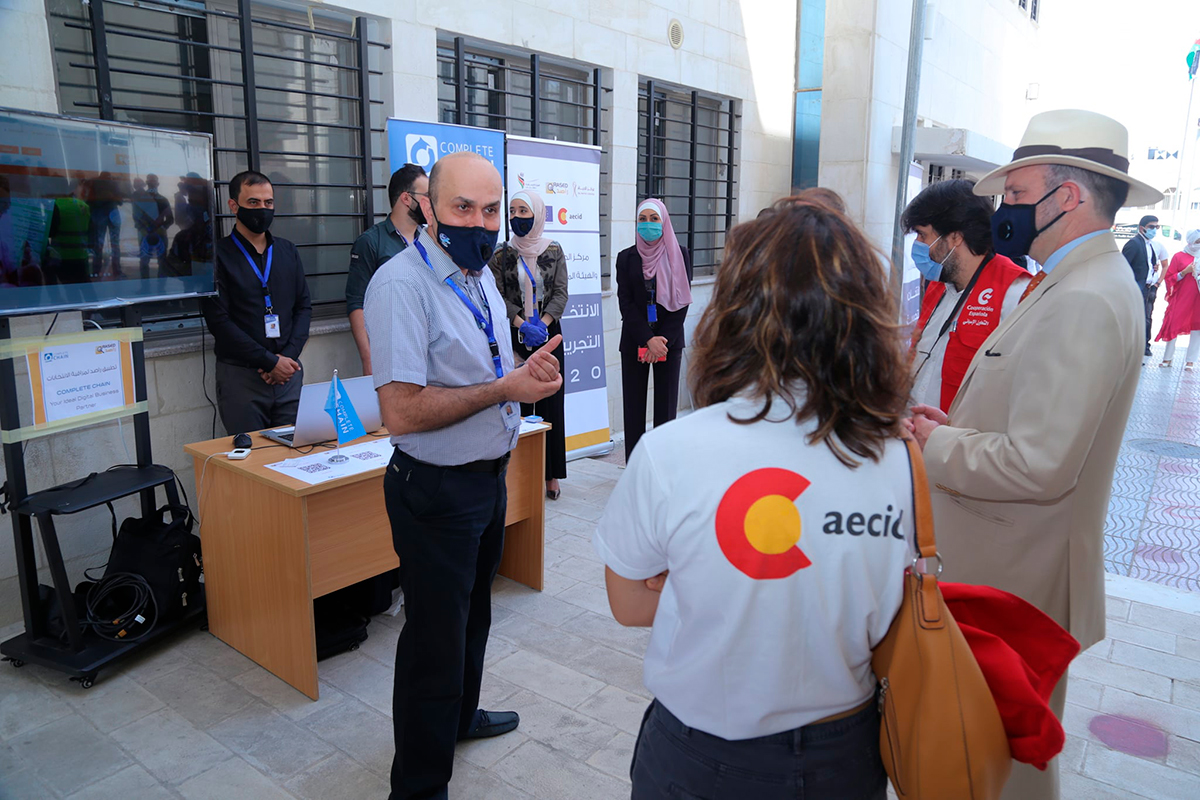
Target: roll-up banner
(423, 143)
(567, 176)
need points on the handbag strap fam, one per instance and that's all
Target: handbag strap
(922, 506)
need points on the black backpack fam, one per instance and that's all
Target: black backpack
(166, 553)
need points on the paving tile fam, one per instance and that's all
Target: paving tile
(576, 735)
(613, 667)
(484, 753)
(547, 678)
(1143, 637)
(338, 777)
(1186, 695)
(1138, 775)
(207, 650)
(232, 778)
(1175, 581)
(1166, 559)
(1077, 787)
(1149, 684)
(549, 776)
(199, 696)
(364, 678)
(615, 757)
(1164, 664)
(1179, 516)
(1123, 527)
(285, 698)
(381, 644)
(26, 783)
(535, 604)
(469, 780)
(1171, 718)
(170, 747)
(586, 595)
(1071, 757)
(1128, 507)
(1119, 552)
(1184, 754)
(622, 710)
(68, 754)
(497, 648)
(530, 634)
(131, 782)
(115, 702)
(573, 506)
(359, 731)
(583, 570)
(1167, 536)
(25, 703)
(158, 660)
(494, 690)
(555, 583)
(270, 741)
(1165, 619)
(1085, 693)
(607, 631)
(1188, 648)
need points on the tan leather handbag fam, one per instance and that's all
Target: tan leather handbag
(941, 737)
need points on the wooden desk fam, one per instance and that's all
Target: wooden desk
(272, 543)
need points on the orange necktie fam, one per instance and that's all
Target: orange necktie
(1033, 284)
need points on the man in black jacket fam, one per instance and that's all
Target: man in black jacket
(1146, 269)
(260, 315)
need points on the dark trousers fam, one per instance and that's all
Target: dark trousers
(551, 409)
(248, 403)
(448, 530)
(1151, 294)
(837, 760)
(635, 379)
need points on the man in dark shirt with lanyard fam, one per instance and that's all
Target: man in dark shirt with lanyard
(449, 395)
(379, 243)
(259, 317)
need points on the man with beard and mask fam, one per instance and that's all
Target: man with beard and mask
(1022, 464)
(450, 397)
(380, 243)
(971, 288)
(259, 317)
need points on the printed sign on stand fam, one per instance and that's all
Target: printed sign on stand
(423, 143)
(567, 176)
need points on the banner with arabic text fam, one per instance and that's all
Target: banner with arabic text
(567, 176)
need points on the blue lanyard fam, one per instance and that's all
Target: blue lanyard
(485, 325)
(254, 266)
(532, 282)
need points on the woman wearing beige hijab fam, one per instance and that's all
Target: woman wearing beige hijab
(531, 273)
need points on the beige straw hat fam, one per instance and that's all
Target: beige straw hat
(1075, 138)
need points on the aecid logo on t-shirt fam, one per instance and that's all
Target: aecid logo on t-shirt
(758, 524)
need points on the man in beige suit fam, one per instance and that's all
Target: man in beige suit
(1023, 463)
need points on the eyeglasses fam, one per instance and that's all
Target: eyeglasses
(1151, 227)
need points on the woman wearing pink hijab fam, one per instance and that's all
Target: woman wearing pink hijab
(654, 290)
(531, 273)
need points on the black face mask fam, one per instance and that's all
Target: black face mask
(416, 214)
(469, 248)
(256, 220)
(1014, 226)
(521, 226)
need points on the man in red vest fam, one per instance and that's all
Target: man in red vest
(971, 288)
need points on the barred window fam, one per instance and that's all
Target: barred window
(283, 89)
(1034, 10)
(487, 86)
(687, 157)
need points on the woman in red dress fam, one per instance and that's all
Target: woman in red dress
(1183, 302)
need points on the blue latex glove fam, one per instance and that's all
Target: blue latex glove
(533, 333)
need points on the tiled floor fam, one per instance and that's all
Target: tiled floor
(1153, 529)
(198, 720)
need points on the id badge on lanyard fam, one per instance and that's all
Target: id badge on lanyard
(652, 306)
(270, 318)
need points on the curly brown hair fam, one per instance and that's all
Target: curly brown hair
(802, 299)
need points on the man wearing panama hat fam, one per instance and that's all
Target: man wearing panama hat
(1023, 462)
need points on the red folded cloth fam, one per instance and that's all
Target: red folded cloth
(1023, 655)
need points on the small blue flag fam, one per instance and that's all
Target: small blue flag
(345, 419)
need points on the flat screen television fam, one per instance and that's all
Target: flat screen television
(97, 214)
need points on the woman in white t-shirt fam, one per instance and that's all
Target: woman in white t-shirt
(765, 535)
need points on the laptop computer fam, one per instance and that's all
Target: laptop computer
(313, 423)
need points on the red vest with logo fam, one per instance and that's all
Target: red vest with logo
(979, 316)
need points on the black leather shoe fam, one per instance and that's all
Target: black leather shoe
(492, 723)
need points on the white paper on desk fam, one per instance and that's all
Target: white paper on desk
(530, 427)
(315, 468)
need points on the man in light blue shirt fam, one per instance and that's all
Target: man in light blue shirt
(449, 394)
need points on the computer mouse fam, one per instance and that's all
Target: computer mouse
(242, 440)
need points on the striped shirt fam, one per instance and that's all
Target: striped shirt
(422, 333)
